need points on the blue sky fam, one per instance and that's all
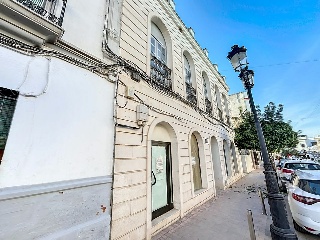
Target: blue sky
(283, 42)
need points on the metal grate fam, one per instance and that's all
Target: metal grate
(46, 8)
(160, 74)
(191, 93)
(8, 100)
(208, 106)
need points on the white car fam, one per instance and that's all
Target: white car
(289, 167)
(304, 200)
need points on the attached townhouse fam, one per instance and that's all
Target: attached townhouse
(113, 121)
(174, 142)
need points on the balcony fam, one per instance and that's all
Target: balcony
(227, 119)
(220, 114)
(33, 21)
(160, 74)
(208, 106)
(191, 93)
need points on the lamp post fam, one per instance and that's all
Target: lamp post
(279, 228)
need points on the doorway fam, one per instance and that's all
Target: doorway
(161, 189)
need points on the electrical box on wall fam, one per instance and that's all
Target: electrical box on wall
(142, 114)
(129, 92)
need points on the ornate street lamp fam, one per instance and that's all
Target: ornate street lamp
(279, 228)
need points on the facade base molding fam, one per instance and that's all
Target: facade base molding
(76, 209)
(37, 189)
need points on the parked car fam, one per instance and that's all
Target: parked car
(292, 165)
(279, 166)
(304, 200)
(280, 163)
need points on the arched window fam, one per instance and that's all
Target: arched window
(219, 105)
(160, 73)
(206, 92)
(226, 109)
(158, 44)
(187, 70)
(191, 93)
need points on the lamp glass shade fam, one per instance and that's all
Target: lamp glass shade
(238, 60)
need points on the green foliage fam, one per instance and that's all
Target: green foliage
(289, 151)
(278, 134)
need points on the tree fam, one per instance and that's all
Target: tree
(278, 134)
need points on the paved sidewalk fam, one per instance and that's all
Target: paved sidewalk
(225, 217)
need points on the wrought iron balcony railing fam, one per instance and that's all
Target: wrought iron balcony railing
(208, 106)
(47, 9)
(160, 74)
(220, 114)
(191, 94)
(227, 120)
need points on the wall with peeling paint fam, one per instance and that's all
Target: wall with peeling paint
(56, 171)
(64, 133)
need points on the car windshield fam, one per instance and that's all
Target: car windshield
(302, 166)
(310, 186)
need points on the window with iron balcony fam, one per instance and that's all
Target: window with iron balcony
(191, 93)
(227, 119)
(220, 114)
(48, 9)
(34, 21)
(159, 72)
(208, 106)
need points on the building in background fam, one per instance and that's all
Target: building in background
(317, 145)
(56, 118)
(239, 104)
(307, 144)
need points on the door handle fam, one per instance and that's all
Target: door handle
(155, 180)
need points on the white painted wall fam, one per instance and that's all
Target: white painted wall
(64, 134)
(83, 24)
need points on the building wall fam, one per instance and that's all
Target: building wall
(132, 189)
(56, 171)
(84, 23)
(73, 106)
(77, 209)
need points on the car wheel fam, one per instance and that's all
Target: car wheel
(298, 228)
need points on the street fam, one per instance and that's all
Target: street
(225, 216)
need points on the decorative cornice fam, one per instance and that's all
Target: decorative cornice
(98, 67)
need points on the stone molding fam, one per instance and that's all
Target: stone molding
(37, 189)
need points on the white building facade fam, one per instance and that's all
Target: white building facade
(239, 104)
(56, 111)
(174, 142)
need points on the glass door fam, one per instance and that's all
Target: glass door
(161, 179)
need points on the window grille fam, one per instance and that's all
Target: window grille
(8, 100)
(160, 73)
